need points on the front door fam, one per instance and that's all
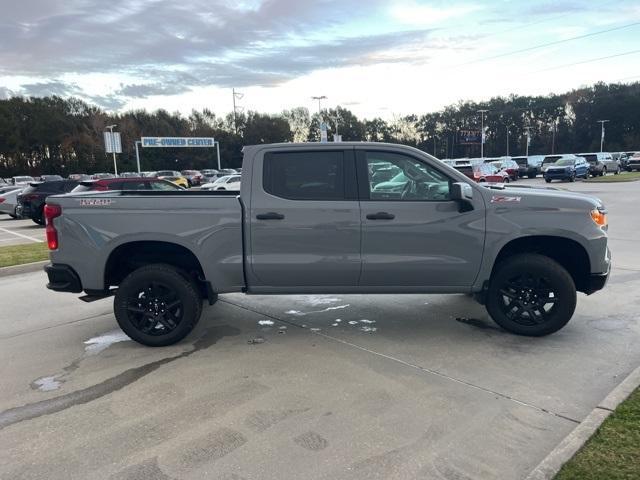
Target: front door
(412, 233)
(305, 219)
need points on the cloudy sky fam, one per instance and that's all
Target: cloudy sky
(377, 58)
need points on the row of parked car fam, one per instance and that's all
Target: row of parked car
(565, 167)
(25, 197)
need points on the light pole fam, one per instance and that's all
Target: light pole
(482, 112)
(508, 133)
(602, 122)
(239, 96)
(138, 142)
(553, 138)
(115, 165)
(320, 98)
(528, 129)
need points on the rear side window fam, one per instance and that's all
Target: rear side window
(305, 175)
(164, 186)
(132, 186)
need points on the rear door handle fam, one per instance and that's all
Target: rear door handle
(270, 216)
(381, 216)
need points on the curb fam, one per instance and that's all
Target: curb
(567, 448)
(24, 268)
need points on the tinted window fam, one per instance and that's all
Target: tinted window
(305, 175)
(590, 158)
(415, 181)
(139, 185)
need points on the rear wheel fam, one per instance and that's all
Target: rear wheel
(617, 171)
(604, 171)
(548, 180)
(572, 178)
(530, 294)
(531, 175)
(506, 180)
(157, 305)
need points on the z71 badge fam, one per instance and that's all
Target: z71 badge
(95, 202)
(504, 199)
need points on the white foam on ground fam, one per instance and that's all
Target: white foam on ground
(265, 322)
(364, 320)
(298, 313)
(96, 345)
(47, 384)
(369, 329)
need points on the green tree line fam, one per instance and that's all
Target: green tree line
(57, 135)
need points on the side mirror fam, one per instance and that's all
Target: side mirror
(461, 191)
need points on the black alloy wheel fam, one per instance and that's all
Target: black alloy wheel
(532, 295)
(157, 305)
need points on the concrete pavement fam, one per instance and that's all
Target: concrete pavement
(342, 386)
(16, 232)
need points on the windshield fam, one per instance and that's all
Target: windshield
(565, 162)
(548, 160)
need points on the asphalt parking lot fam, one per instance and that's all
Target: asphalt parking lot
(313, 387)
(16, 232)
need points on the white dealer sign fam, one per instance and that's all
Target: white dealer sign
(186, 142)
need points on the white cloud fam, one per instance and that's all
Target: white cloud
(413, 13)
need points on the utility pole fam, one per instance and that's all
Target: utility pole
(482, 112)
(528, 129)
(239, 96)
(115, 165)
(602, 122)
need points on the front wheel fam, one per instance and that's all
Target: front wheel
(617, 171)
(548, 180)
(506, 180)
(157, 305)
(531, 294)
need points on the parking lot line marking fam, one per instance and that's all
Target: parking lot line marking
(411, 365)
(21, 235)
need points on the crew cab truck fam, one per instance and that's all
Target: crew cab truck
(309, 219)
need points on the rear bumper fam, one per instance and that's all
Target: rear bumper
(63, 278)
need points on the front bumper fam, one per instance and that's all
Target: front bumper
(597, 281)
(563, 175)
(63, 278)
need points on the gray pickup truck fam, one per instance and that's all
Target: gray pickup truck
(330, 218)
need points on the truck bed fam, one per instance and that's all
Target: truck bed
(208, 224)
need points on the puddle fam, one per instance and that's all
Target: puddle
(298, 313)
(96, 345)
(110, 385)
(316, 300)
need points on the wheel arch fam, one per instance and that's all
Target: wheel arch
(567, 252)
(129, 256)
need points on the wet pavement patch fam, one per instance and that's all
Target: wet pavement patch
(86, 395)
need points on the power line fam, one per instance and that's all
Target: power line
(587, 61)
(549, 44)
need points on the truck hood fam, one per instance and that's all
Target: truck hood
(547, 197)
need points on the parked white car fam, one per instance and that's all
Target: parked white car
(229, 182)
(9, 200)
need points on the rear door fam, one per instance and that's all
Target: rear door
(304, 219)
(416, 236)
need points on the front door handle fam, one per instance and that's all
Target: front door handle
(381, 216)
(270, 216)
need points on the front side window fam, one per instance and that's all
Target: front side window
(305, 175)
(413, 180)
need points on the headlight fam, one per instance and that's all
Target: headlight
(599, 216)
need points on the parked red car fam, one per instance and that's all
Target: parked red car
(483, 172)
(128, 183)
(509, 166)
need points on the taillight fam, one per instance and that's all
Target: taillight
(51, 212)
(2, 199)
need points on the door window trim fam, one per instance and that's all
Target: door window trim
(363, 173)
